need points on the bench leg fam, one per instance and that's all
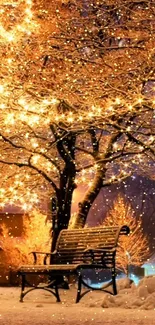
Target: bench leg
(78, 297)
(57, 294)
(114, 282)
(22, 287)
(55, 291)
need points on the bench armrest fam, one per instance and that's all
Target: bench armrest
(47, 254)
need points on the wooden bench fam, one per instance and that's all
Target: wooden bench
(76, 250)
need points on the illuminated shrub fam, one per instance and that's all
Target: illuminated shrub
(36, 237)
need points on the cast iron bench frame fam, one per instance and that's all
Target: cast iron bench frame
(76, 250)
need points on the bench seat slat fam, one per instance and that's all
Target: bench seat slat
(55, 267)
(36, 268)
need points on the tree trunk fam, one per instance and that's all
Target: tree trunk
(60, 222)
(64, 200)
(66, 150)
(89, 198)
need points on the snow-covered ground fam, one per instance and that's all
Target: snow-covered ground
(132, 305)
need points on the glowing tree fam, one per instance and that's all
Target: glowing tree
(76, 99)
(134, 249)
(36, 237)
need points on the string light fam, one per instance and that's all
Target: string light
(1, 89)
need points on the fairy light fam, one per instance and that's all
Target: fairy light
(25, 206)
(46, 121)
(130, 107)
(56, 118)
(35, 159)
(116, 146)
(46, 102)
(2, 106)
(34, 120)
(9, 61)
(2, 191)
(54, 101)
(11, 188)
(7, 130)
(1, 89)
(110, 108)
(151, 139)
(70, 119)
(34, 144)
(22, 117)
(22, 102)
(139, 100)
(117, 101)
(10, 119)
(99, 110)
(90, 114)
